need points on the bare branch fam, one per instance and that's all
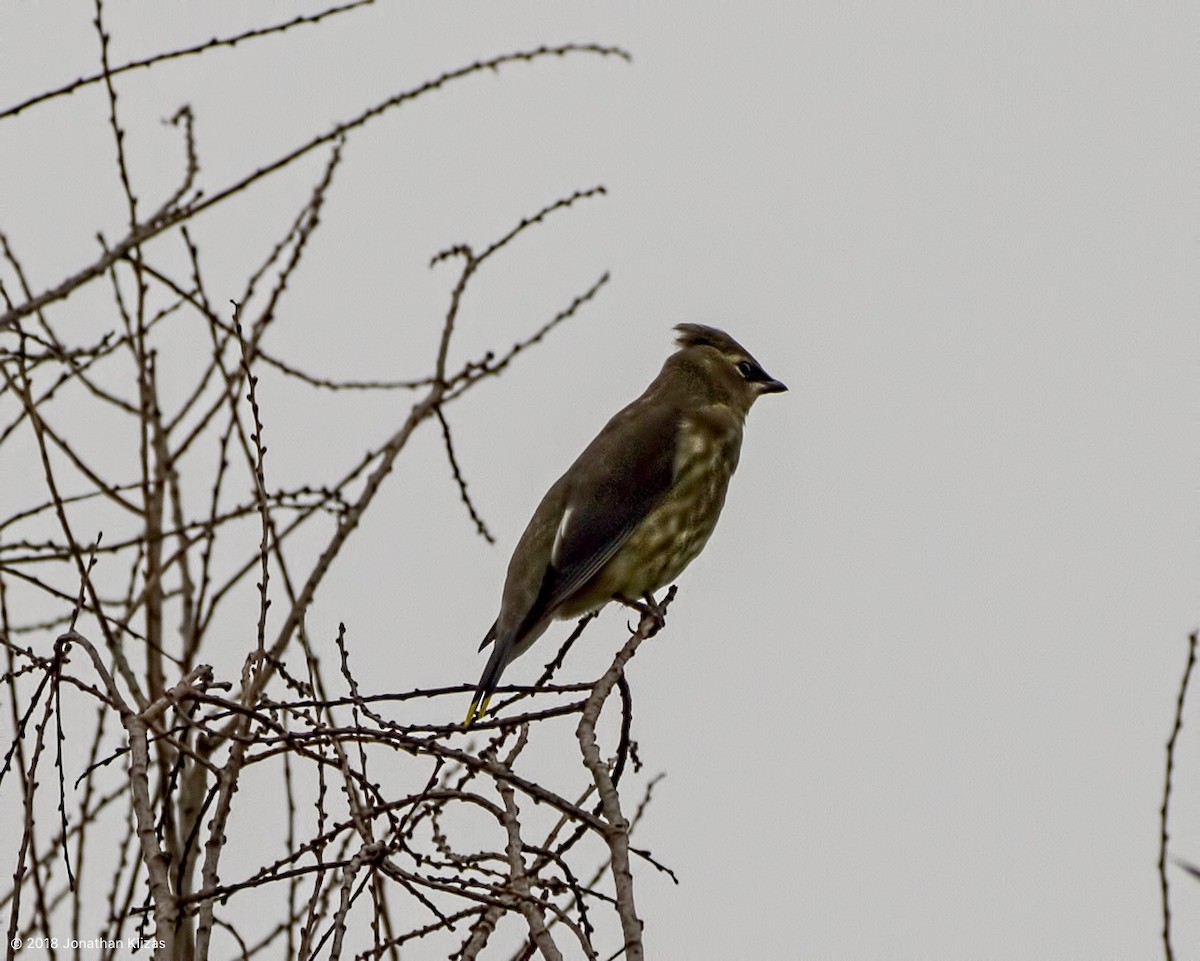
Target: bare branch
(1164, 811)
(147, 419)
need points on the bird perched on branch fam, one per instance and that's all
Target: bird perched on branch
(638, 504)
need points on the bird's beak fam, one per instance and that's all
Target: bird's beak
(771, 386)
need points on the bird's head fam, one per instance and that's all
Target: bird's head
(716, 367)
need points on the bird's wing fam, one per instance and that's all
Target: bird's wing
(615, 483)
(581, 523)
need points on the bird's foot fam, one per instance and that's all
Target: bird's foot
(647, 607)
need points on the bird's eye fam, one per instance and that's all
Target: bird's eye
(748, 370)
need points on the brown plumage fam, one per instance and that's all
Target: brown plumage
(638, 504)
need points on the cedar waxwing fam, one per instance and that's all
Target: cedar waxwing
(638, 505)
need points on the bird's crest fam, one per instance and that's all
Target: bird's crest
(700, 335)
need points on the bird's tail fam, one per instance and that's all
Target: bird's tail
(505, 650)
(487, 683)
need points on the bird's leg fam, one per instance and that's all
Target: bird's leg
(647, 607)
(655, 611)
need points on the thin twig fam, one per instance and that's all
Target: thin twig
(1164, 811)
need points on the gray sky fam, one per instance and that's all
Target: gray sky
(912, 701)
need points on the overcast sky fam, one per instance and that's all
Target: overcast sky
(913, 699)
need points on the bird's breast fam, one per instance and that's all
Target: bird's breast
(677, 528)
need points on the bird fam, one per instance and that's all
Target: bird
(637, 506)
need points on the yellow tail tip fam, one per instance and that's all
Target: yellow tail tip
(477, 709)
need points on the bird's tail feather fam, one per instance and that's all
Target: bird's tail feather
(490, 635)
(487, 683)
